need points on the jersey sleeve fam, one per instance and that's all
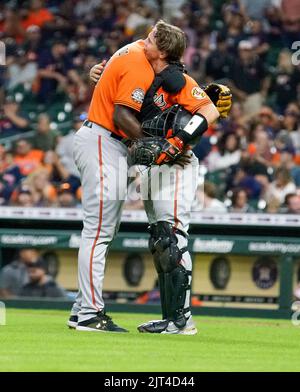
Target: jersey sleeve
(192, 97)
(135, 81)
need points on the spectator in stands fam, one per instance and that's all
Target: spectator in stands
(243, 178)
(273, 206)
(23, 197)
(38, 15)
(284, 144)
(64, 147)
(259, 157)
(289, 161)
(22, 71)
(234, 28)
(11, 26)
(82, 46)
(292, 203)
(258, 37)
(228, 153)
(239, 202)
(14, 275)
(40, 284)
(249, 78)
(237, 118)
(255, 8)
(45, 138)
(290, 11)
(10, 175)
(43, 191)
(84, 9)
(219, 61)
(56, 71)
(65, 196)
(33, 44)
(285, 81)
(269, 120)
(290, 121)
(58, 172)
(12, 120)
(206, 199)
(274, 25)
(281, 186)
(27, 158)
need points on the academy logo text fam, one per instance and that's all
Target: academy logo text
(276, 247)
(32, 240)
(213, 246)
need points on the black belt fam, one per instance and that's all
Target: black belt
(89, 124)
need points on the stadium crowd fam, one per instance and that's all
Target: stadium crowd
(251, 161)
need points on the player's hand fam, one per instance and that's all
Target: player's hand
(221, 97)
(96, 71)
(173, 148)
(184, 159)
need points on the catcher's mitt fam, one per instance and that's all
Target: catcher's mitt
(150, 151)
(221, 97)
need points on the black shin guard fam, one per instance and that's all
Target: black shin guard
(162, 291)
(161, 277)
(176, 286)
(173, 277)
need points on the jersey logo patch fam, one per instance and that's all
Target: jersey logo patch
(159, 100)
(198, 93)
(138, 95)
(122, 51)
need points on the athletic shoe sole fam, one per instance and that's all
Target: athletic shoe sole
(143, 327)
(72, 324)
(88, 329)
(186, 331)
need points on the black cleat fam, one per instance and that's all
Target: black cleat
(154, 326)
(72, 322)
(101, 323)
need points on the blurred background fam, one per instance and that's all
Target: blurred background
(250, 162)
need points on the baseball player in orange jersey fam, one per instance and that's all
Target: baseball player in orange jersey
(119, 90)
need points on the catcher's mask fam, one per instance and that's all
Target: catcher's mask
(175, 118)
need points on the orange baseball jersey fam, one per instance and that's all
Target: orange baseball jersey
(124, 81)
(191, 97)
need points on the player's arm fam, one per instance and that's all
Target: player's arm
(196, 101)
(194, 129)
(124, 118)
(133, 82)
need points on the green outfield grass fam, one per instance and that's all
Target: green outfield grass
(38, 340)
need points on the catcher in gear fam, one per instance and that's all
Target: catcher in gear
(157, 149)
(169, 220)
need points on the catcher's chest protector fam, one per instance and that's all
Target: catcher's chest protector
(171, 79)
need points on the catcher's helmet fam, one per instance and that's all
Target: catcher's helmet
(175, 118)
